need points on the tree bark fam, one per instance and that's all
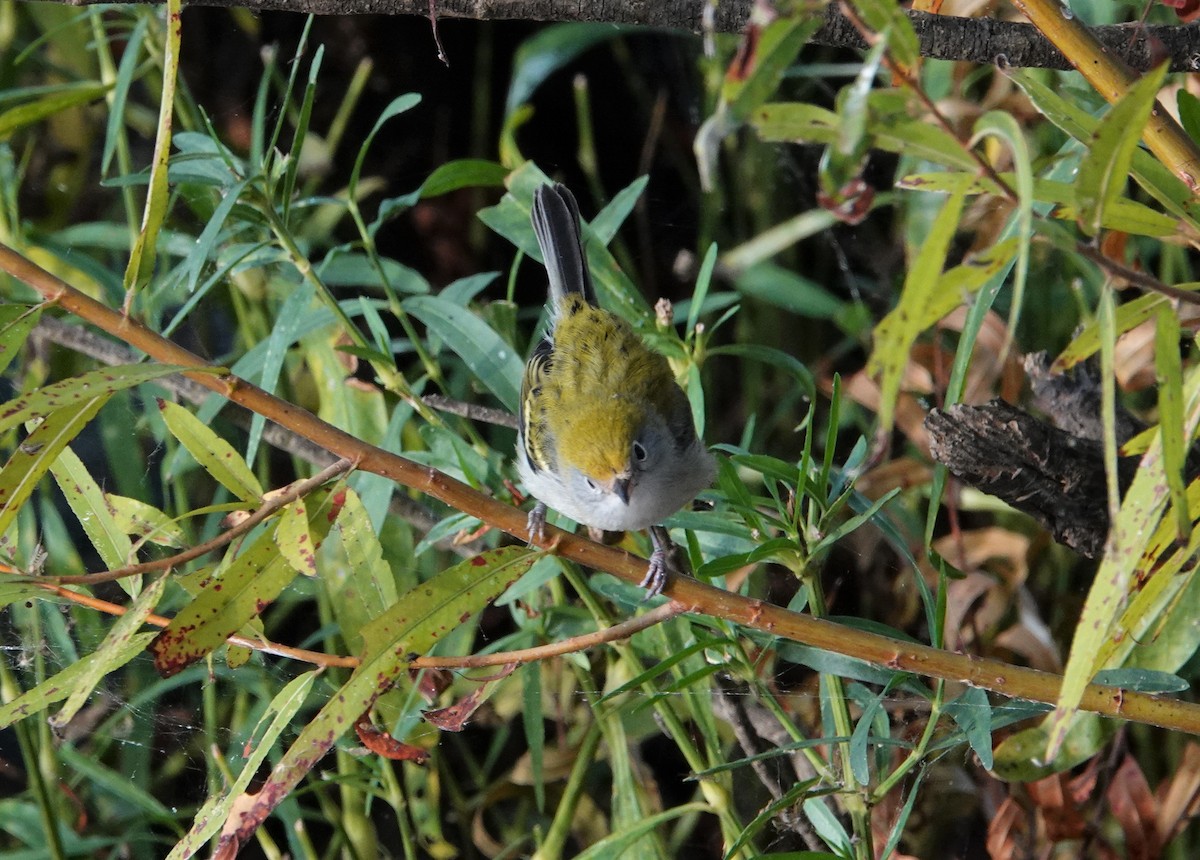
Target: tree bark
(1054, 473)
(945, 37)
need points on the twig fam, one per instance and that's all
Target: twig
(617, 632)
(474, 411)
(272, 503)
(85, 342)
(1140, 280)
(914, 85)
(265, 646)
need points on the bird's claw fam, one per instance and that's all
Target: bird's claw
(535, 525)
(656, 575)
(662, 561)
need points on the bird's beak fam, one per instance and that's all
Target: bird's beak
(621, 488)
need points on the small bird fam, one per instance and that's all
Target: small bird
(605, 435)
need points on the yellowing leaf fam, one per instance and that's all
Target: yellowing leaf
(215, 811)
(16, 321)
(34, 456)
(1104, 170)
(87, 502)
(245, 588)
(1132, 531)
(79, 389)
(213, 453)
(412, 626)
(232, 598)
(294, 541)
(897, 332)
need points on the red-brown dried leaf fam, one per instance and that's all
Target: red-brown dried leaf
(431, 683)
(383, 744)
(1057, 808)
(1179, 795)
(453, 718)
(744, 60)
(1008, 836)
(851, 203)
(1135, 809)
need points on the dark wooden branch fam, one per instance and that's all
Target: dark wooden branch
(976, 40)
(1054, 473)
(1056, 478)
(1020, 45)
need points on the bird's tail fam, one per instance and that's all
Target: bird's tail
(556, 223)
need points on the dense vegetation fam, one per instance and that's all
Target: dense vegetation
(845, 240)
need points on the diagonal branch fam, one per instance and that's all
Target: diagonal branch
(692, 595)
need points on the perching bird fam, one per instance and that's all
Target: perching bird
(606, 435)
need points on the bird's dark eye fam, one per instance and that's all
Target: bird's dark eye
(639, 452)
(592, 485)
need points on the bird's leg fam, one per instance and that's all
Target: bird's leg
(535, 524)
(661, 561)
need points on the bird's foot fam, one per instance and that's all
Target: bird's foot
(662, 561)
(535, 525)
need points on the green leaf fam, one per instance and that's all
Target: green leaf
(80, 389)
(58, 687)
(510, 218)
(463, 173)
(972, 712)
(47, 106)
(1128, 216)
(418, 620)
(775, 239)
(1189, 113)
(135, 517)
(114, 785)
(360, 581)
(35, 455)
(792, 122)
(484, 352)
(144, 253)
(16, 322)
(1142, 680)
(1126, 557)
(207, 243)
(1128, 316)
(123, 631)
(622, 841)
(1104, 169)
(859, 747)
(609, 219)
(750, 84)
(1169, 371)
(1021, 757)
(1167, 188)
(214, 454)
(216, 808)
(356, 269)
(13, 592)
(549, 50)
(87, 501)
(130, 55)
(898, 331)
(397, 106)
(788, 290)
(887, 19)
